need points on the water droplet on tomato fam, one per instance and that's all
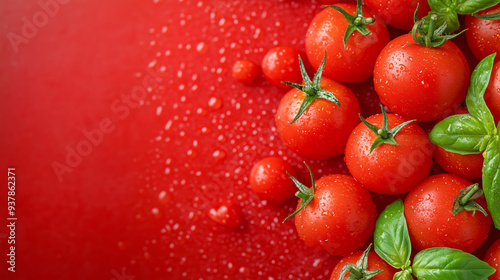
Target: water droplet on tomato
(391, 65)
(164, 197)
(219, 154)
(214, 103)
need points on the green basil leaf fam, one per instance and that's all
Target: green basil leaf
(468, 7)
(442, 5)
(475, 94)
(463, 134)
(447, 263)
(491, 179)
(391, 238)
(403, 275)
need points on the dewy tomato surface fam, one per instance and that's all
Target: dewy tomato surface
(126, 128)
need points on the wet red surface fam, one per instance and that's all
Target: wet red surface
(125, 128)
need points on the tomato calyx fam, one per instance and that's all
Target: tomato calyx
(304, 193)
(495, 16)
(385, 134)
(359, 271)
(311, 88)
(464, 200)
(430, 31)
(356, 23)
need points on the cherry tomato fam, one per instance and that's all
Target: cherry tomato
(419, 82)
(339, 219)
(354, 62)
(492, 257)
(492, 94)
(430, 220)
(323, 129)
(269, 180)
(389, 169)
(245, 71)
(374, 263)
(483, 36)
(398, 13)
(466, 166)
(282, 64)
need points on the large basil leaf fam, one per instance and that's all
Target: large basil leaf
(467, 7)
(447, 263)
(391, 238)
(475, 94)
(491, 179)
(463, 134)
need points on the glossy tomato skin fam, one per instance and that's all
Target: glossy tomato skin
(245, 71)
(354, 63)
(269, 180)
(398, 13)
(374, 263)
(483, 36)
(322, 131)
(389, 169)
(418, 82)
(431, 223)
(492, 257)
(340, 218)
(492, 94)
(281, 64)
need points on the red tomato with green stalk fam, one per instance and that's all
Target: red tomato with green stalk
(446, 210)
(422, 75)
(352, 37)
(315, 118)
(388, 154)
(363, 265)
(336, 215)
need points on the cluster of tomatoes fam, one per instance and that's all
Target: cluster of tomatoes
(421, 78)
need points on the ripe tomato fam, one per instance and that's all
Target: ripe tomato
(419, 82)
(245, 71)
(281, 64)
(339, 219)
(354, 62)
(398, 13)
(483, 36)
(492, 257)
(389, 169)
(269, 180)
(430, 220)
(323, 129)
(374, 263)
(492, 94)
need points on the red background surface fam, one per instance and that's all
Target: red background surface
(180, 136)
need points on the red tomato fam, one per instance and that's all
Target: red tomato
(323, 129)
(493, 259)
(398, 13)
(466, 166)
(431, 223)
(339, 219)
(245, 71)
(483, 36)
(374, 263)
(282, 64)
(354, 63)
(492, 94)
(419, 82)
(389, 169)
(269, 180)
